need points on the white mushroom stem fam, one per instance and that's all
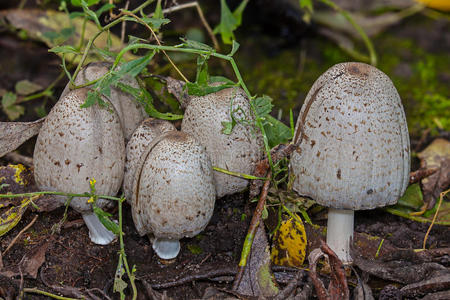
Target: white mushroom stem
(340, 232)
(166, 248)
(97, 232)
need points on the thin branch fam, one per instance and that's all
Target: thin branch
(20, 233)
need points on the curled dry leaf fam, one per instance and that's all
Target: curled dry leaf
(436, 155)
(14, 134)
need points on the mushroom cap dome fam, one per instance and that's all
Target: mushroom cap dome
(142, 137)
(173, 188)
(236, 152)
(353, 140)
(78, 144)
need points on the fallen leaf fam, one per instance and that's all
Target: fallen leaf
(258, 279)
(438, 281)
(337, 288)
(53, 28)
(14, 134)
(289, 244)
(436, 155)
(34, 260)
(26, 87)
(10, 218)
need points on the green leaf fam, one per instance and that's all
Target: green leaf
(25, 87)
(64, 49)
(276, 132)
(155, 23)
(237, 13)
(227, 127)
(263, 105)
(195, 89)
(134, 67)
(12, 110)
(196, 45)
(158, 11)
(87, 2)
(144, 97)
(308, 9)
(90, 14)
(104, 8)
(93, 97)
(234, 48)
(412, 198)
(104, 218)
(202, 77)
(228, 23)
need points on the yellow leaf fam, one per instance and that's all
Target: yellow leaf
(443, 5)
(289, 243)
(12, 216)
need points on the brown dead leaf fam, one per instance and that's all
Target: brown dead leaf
(436, 155)
(258, 279)
(14, 134)
(34, 260)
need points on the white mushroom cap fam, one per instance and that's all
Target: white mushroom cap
(236, 152)
(130, 111)
(76, 145)
(142, 137)
(173, 189)
(354, 150)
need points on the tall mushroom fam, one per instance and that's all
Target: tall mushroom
(76, 145)
(353, 148)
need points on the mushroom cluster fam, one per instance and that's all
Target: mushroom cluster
(353, 148)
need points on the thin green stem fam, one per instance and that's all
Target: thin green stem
(238, 174)
(87, 195)
(358, 28)
(123, 254)
(44, 293)
(46, 92)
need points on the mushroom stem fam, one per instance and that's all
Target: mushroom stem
(97, 232)
(166, 248)
(340, 232)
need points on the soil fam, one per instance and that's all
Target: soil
(68, 263)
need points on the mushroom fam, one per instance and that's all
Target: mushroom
(76, 145)
(130, 111)
(143, 135)
(236, 152)
(353, 148)
(173, 191)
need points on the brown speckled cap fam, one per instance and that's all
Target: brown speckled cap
(354, 143)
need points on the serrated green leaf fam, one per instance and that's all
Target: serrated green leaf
(64, 49)
(26, 87)
(91, 14)
(263, 105)
(196, 45)
(155, 23)
(134, 67)
(104, 218)
(93, 97)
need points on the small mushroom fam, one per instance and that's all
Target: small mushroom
(76, 145)
(173, 191)
(353, 149)
(236, 152)
(130, 111)
(143, 135)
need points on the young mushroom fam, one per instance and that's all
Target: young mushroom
(131, 112)
(76, 145)
(236, 152)
(173, 191)
(143, 135)
(353, 148)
